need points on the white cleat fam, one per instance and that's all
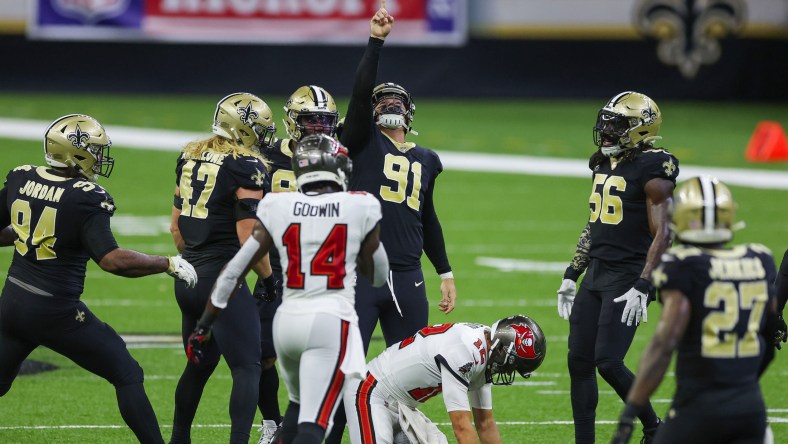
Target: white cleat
(268, 430)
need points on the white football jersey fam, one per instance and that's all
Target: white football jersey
(319, 238)
(448, 358)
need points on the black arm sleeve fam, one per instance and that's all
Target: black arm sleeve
(434, 244)
(358, 119)
(97, 237)
(5, 214)
(781, 284)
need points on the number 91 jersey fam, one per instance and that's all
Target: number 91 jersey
(318, 238)
(618, 217)
(729, 291)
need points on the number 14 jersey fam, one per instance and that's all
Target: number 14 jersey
(318, 238)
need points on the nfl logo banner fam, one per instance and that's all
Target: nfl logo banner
(419, 22)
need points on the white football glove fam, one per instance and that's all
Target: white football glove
(566, 298)
(180, 269)
(637, 303)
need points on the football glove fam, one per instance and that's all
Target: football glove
(637, 302)
(566, 298)
(194, 345)
(180, 269)
(266, 289)
(780, 334)
(626, 424)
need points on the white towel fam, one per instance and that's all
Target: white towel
(354, 365)
(418, 428)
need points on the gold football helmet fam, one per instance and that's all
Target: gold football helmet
(246, 119)
(393, 115)
(80, 142)
(628, 120)
(704, 211)
(310, 110)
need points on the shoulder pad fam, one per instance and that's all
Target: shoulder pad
(760, 248)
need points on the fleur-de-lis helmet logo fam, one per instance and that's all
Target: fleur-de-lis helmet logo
(648, 116)
(78, 138)
(247, 114)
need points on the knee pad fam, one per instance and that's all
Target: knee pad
(248, 371)
(579, 366)
(129, 374)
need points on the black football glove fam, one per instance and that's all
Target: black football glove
(781, 332)
(266, 289)
(626, 424)
(194, 345)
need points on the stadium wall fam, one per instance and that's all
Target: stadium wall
(750, 69)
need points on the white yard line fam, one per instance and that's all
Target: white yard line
(169, 140)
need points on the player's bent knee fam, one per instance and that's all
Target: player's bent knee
(267, 363)
(579, 366)
(610, 368)
(131, 373)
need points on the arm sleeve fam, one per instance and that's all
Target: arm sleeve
(781, 284)
(455, 393)
(97, 237)
(5, 214)
(358, 119)
(434, 244)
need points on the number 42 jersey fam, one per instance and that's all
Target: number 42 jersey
(318, 238)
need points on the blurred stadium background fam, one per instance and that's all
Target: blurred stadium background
(507, 92)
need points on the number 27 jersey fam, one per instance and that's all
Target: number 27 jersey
(318, 238)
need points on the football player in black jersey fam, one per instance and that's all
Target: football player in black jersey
(781, 285)
(402, 176)
(59, 218)
(719, 313)
(627, 232)
(219, 182)
(309, 110)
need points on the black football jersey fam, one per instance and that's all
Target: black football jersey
(207, 186)
(729, 291)
(48, 213)
(282, 176)
(400, 176)
(618, 218)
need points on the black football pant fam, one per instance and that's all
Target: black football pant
(236, 336)
(377, 304)
(68, 327)
(598, 340)
(268, 399)
(734, 415)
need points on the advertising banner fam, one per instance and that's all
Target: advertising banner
(418, 22)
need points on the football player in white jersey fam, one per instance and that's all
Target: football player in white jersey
(322, 234)
(460, 360)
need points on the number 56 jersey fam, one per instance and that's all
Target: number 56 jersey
(318, 238)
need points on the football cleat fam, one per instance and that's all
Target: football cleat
(268, 431)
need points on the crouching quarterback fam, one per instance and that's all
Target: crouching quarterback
(462, 361)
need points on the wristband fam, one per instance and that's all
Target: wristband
(643, 286)
(572, 274)
(447, 275)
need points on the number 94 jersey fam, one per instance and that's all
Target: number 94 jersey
(729, 291)
(54, 219)
(318, 238)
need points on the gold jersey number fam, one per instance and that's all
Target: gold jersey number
(396, 168)
(719, 339)
(606, 206)
(43, 239)
(206, 173)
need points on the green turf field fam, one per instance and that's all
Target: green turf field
(484, 215)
